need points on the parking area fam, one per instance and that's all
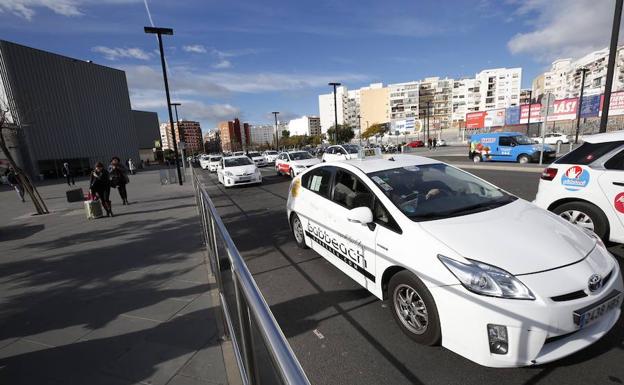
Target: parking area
(342, 334)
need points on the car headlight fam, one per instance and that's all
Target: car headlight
(485, 279)
(228, 173)
(594, 236)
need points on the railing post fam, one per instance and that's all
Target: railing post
(245, 326)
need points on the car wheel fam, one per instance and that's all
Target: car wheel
(292, 174)
(524, 158)
(297, 230)
(277, 171)
(476, 158)
(585, 215)
(414, 309)
(559, 143)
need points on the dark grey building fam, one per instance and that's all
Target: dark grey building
(66, 110)
(148, 132)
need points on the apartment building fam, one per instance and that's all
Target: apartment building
(262, 134)
(466, 98)
(189, 131)
(352, 108)
(499, 88)
(305, 125)
(403, 100)
(526, 96)
(234, 136)
(374, 104)
(435, 101)
(326, 108)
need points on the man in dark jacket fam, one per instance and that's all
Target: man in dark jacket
(119, 178)
(68, 173)
(100, 187)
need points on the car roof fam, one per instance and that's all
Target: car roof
(614, 136)
(374, 164)
(507, 133)
(235, 156)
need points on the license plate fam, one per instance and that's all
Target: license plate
(245, 179)
(590, 314)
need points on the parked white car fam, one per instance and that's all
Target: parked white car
(238, 170)
(257, 158)
(462, 263)
(553, 138)
(294, 163)
(586, 186)
(213, 162)
(270, 156)
(341, 152)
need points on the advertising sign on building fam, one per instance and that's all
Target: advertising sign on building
(495, 118)
(616, 106)
(475, 119)
(590, 106)
(564, 109)
(535, 113)
(512, 115)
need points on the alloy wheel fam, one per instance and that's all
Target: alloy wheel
(411, 309)
(578, 218)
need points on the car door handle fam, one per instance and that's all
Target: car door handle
(382, 247)
(618, 183)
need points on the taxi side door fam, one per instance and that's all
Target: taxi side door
(612, 185)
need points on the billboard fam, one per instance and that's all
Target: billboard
(535, 113)
(406, 125)
(564, 109)
(475, 119)
(616, 105)
(495, 118)
(591, 106)
(512, 115)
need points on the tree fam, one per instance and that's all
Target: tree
(376, 129)
(344, 134)
(285, 133)
(8, 128)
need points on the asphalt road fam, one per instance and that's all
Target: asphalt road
(343, 335)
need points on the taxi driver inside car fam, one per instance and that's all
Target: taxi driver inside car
(522, 312)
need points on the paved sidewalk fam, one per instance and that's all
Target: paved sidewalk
(118, 300)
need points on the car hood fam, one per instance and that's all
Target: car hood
(518, 237)
(306, 162)
(242, 170)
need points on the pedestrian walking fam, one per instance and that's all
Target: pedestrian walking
(100, 187)
(68, 173)
(131, 166)
(119, 178)
(15, 182)
(429, 143)
(435, 143)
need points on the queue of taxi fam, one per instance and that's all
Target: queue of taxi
(549, 292)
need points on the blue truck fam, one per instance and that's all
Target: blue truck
(507, 147)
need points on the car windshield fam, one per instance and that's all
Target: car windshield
(271, 152)
(254, 154)
(351, 148)
(215, 158)
(437, 191)
(522, 139)
(300, 155)
(234, 162)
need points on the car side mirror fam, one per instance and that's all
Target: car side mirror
(362, 215)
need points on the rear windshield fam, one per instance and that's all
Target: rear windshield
(215, 158)
(588, 152)
(254, 154)
(271, 152)
(233, 162)
(351, 149)
(300, 155)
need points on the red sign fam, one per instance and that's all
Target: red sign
(475, 119)
(616, 105)
(619, 202)
(564, 109)
(535, 113)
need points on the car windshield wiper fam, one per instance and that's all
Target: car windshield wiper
(482, 206)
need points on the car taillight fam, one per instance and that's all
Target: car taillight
(549, 173)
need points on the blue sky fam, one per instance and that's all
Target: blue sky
(246, 58)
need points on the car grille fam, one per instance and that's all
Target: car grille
(579, 293)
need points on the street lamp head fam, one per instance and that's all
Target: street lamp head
(275, 112)
(334, 84)
(158, 30)
(176, 104)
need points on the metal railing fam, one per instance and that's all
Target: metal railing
(262, 352)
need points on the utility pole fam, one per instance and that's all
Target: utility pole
(580, 104)
(180, 133)
(615, 32)
(159, 32)
(335, 84)
(276, 131)
(360, 128)
(428, 107)
(529, 117)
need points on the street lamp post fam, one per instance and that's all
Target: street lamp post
(428, 107)
(334, 84)
(578, 111)
(529, 117)
(360, 128)
(180, 133)
(615, 32)
(276, 131)
(159, 32)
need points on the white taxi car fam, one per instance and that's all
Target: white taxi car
(213, 162)
(554, 138)
(294, 163)
(204, 161)
(463, 263)
(586, 186)
(341, 152)
(257, 158)
(238, 170)
(270, 156)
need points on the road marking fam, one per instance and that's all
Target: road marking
(318, 334)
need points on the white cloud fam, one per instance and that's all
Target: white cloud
(118, 53)
(26, 8)
(196, 48)
(223, 64)
(563, 28)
